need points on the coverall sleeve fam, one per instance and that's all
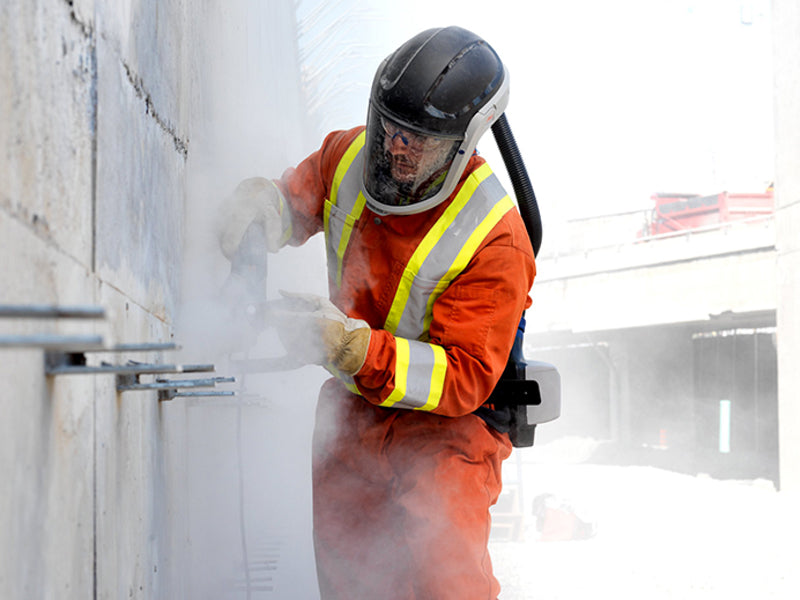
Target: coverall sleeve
(471, 333)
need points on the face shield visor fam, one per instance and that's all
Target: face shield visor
(404, 168)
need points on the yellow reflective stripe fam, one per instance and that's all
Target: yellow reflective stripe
(428, 242)
(402, 356)
(326, 216)
(344, 164)
(347, 380)
(437, 378)
(350, 220)
(466, 253)
(341, 169)
(285, 214)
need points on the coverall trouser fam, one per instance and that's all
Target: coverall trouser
(401, 501)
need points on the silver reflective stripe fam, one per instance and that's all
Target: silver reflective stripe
(419, 375)
(344, 207)
(445, 251)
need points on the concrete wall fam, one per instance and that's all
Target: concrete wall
(108, 119)
(786, 35)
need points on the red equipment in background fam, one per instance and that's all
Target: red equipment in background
(681, 212)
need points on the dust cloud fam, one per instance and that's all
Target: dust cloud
(247, 485)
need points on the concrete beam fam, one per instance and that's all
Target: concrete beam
(677, 292)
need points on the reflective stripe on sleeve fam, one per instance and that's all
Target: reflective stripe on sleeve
(420, 370)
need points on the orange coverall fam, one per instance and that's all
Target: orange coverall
(401, 497)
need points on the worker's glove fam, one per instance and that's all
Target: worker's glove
(256, 200)
(314, 331)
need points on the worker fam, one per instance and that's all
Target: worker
(429, 269)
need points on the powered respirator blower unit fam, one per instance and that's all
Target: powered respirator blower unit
(529, 392)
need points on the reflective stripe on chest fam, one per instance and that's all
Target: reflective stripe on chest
(337, 230)
(443, 253)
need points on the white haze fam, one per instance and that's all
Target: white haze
(660, 535)
(247, 484)
(611, 101)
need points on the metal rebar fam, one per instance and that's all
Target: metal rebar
(165, 384)
(204, 394)
(171, 394)
(144, 347)
(64, 343)
(135, 369)
(51, 311)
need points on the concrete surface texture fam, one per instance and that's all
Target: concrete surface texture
(107, 125)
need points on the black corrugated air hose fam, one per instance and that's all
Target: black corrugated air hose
(523, 190)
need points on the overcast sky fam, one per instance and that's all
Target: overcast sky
(610, 101)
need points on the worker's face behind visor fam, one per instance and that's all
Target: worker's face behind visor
(404, 167)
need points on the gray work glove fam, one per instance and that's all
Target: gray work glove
(255, 201)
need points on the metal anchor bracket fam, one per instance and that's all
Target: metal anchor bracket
(67, 355)
(169, 394)
(51, 311)
(51, 342)
(128, 374)
(169, 388)
(132, 367)
(74, 362)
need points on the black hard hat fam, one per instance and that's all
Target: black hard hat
(443, 88)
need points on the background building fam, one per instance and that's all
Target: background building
(666, 340)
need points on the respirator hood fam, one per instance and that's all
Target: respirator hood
(446, 84)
